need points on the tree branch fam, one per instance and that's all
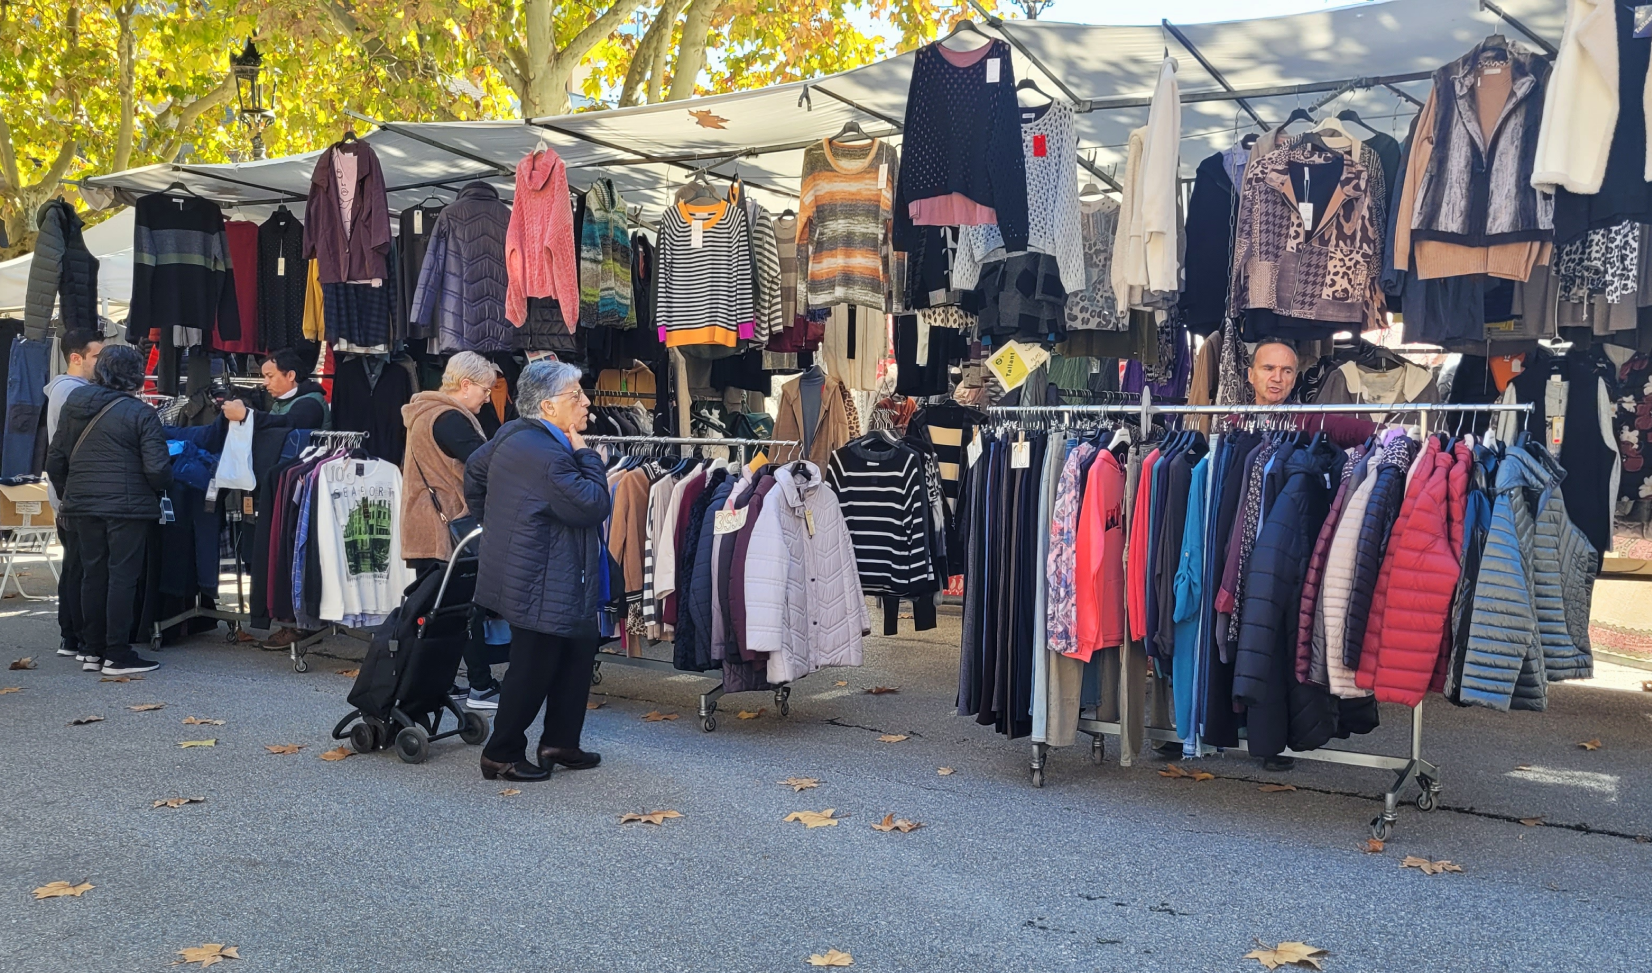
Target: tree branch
(10, 181)
(128, 83)
(640, 75)
(691, 50)
(605, 24)
(185, 117)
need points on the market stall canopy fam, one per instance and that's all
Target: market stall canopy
(109, 241)
(760, 135)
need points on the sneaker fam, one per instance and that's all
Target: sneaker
(91, 663)
(483, 698)
(132, 666)
(67, 652)
(458, 693)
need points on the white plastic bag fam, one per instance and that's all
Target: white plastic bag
(235, 463)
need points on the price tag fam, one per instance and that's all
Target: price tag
(729, 521)
(1020, 455)
(1643, 20)
(883, 175)
(281, 266)
(697, 234)
(1307, 211)
(1040, 146)
(992, 70)
(972, 452)
(246, 506)
(28, 506)
(378, 281)
(418, 222)
(808, 521)
(1557, 432)
(1009, 366)
(1516, 365)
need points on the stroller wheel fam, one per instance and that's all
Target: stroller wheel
(413, 744)
(364, 738)
(475, 729)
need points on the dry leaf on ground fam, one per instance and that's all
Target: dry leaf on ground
(197, 721)
(146, 707)
(207, 954)
(882, 690)
(509, 792)
(10, 689)
(814, 819)
(945, 772)
(177, 802)
(338, 753)
(892, 738)
(841, 682)
(651, 817)
(27, 662)
(889, 823)
(1532, 822)
(55, 890)
(800, 784)
(1175, 770)
(1288, 954)
(1276, 788)
(82, 721)
(655, 716)
(352, 673)
(199, 743)
(831, 957)
(1428, 867)
(1590, 744)
(747, 714)
(1374, 846)
(283, 747)
(593, 704)
(121, 679)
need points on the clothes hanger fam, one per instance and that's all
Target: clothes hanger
(1028, 84)
(349, 137)
(1349, 115)
(961, 27)
(851, 132)
(179, 186)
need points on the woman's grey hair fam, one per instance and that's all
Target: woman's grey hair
(542, 380)
(120, 368)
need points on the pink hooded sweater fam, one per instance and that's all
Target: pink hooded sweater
(539, 245)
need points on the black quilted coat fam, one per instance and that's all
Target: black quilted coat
(62, 270)
(122, 465)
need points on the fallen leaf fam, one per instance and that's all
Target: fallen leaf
(892, 738)
(352, 673)
(945, 772)
(800, 784)
(82, 721)
(199, 743)
(121, 679)
(282, 747)
(593, 704)
(1428, 867)
(509, 792)
(177, 802)
(889, 823)
(1590, 744)
(1276, 788)
(747, 714)
(54, 890)
(1174, 770)
(1646, 685)
(831, 957)
(1288, 954)
(146, 707)
(814, 819)
(1200, 775)
(197, 721)
(1374, 846)
(655, 716)
(1532, 822)
(706, 118)
(207, 954)
(10, 689)
(841, 682)
(651, 817)
(882, 690)
(27, 662)
(338, 753)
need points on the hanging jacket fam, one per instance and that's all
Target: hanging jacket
(539, 245)
(1309, 667)
(1098, 557)
(1416, 482)
(353, 248)
(63, 272)
(1387, 493)
(605, 260)
(832, 427)
(1580, 106)
(1476, 523)
(461, 291)
(1336, 591)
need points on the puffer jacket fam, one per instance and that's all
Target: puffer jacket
(539, 566)
(1387, 494)
(1331, 614)
(1518, 631)
(120, 469)
(701, 589)
(1402, 644)
(63, 271)
(1420, 475)
(804, 605)
(461, 290)
(1279, 713)
(1476, 523)
(1310, 668)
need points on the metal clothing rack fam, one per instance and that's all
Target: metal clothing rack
(1410, 767)
(709, 698)
(299, 649)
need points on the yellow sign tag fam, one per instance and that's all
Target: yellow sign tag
(809, 521)
(1015, 361)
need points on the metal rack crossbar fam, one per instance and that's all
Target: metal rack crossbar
(1410, 767)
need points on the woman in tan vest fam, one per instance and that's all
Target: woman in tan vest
(442, 432)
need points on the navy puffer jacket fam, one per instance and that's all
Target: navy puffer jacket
(540, 562)
(1386, 496)
(461, 289)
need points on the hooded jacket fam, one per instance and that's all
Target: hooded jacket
(120, 469)
(539, 244)
(426, 470)
(63, 272)
(461, 291)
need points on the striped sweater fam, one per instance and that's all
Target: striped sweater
(881, 488)
(844, 214)
(705, 290)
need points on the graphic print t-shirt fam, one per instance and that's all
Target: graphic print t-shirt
(359, 541)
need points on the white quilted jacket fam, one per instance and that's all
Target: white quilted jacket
(1331, 614)
(803, 599)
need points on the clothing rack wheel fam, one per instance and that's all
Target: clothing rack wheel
(596, 672)
(708, 708)
(782, 700)
(1041, 754)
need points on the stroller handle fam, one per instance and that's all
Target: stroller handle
(452, 559)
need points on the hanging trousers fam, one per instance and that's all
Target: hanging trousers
(70, 621)
(112, 561)
(549, 670)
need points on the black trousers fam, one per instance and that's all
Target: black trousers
(69, 579)
(477, 671)
(112, 560)
(545, 669)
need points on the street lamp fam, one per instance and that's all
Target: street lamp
(249, 91)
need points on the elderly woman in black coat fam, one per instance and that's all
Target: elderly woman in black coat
(546, 496)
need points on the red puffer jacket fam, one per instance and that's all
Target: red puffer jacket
(1457, 504)
(1421, 573)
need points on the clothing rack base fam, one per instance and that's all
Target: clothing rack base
(708, 699)
(237, 620)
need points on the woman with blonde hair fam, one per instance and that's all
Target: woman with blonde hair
(442, 432)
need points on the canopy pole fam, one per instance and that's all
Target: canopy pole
(1408, 96)
(396, 128)
(1210, 69)
(1273, 91)
(645, 157)
(286, 197)
(1097, 171)
(899, 126)
(997, 23)
(1509, 19)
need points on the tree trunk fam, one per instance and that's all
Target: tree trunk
(691, 50)
(128, 82)
(645, 75)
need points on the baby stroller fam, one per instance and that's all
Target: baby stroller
(401, 692)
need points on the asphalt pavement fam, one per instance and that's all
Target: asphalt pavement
(368, 863)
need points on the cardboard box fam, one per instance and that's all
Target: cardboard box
(26, 506)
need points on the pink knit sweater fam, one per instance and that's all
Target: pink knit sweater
(539, 246)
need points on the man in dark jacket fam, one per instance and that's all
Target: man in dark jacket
(1272, 377)
(542, 569)
(109, 464)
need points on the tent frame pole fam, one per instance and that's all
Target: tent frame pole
(1211, 70)
(397, 129)
(646, 158)
(997, 23)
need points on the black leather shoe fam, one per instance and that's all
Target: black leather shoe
(573, 759)
(1278, 764)
(520, 770)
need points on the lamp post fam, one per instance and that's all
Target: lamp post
(249, 92)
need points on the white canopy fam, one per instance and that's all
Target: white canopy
(759, 135)
(109, 241)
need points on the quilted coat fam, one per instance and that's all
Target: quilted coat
(62, 271)
(545, 503)
(1331, 614)
(122, 465)
(803, 598)
(461, 290)
(1309, 667)
(1387, 495)
(1531, 604)
(701, 589)
(1420, 477)
(1476, 523)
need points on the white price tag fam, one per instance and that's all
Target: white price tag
(1516, 366)
(281, 266)
(972, 452)
(883, 175)
(418, 222)
(1020, 455)
(378, 281)
(697, 234)
(28, 507)
(992, 70)
(1307, 211)
(729, 521)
